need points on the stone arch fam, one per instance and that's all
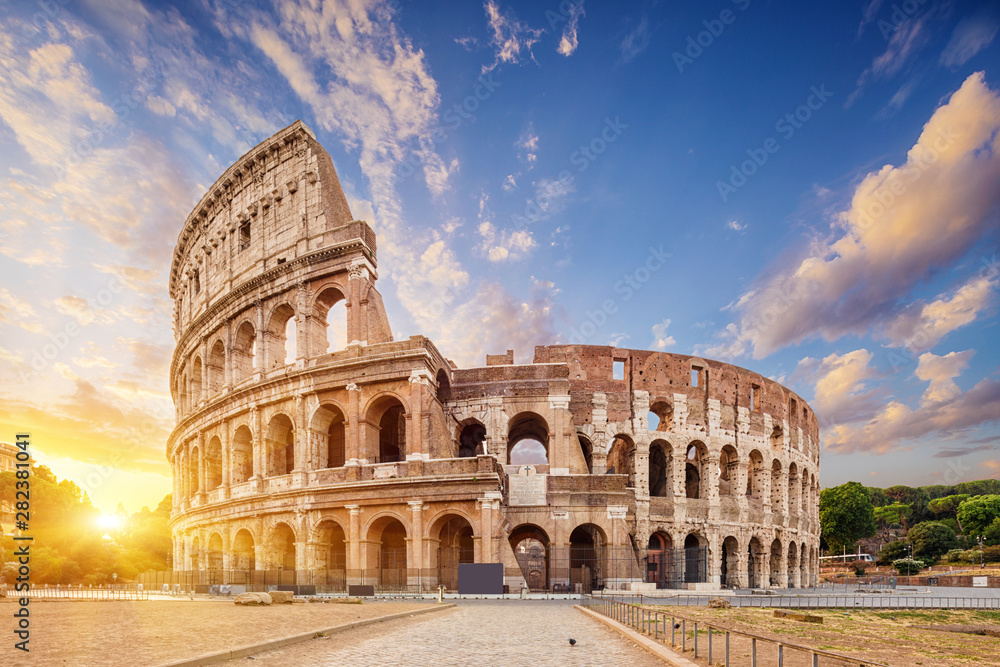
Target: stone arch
(329, 320)
(280, 547)
(756, 475)
(196, 372)
(696, 470)
(216, 368)
(531, 549)
(777, 502)
(279, 445)
(730, 563)
(804, 578)
(241, 455)
(793, 490)
(664, 412)
(793, 565)
(328, 427)
(729, 466)
(587, 447)
(213, 463)
(621, 458)
(443, 386)
(244, 557)
(330, 553)
(777, 553)
(453, 535)
(387, 543)
(531, 432)
(696, 554)
(213, 557)
(471, 438)
(661, 566)
(386, 418)
(280, 345)
(587, 546)
(244, 352)
(661, 459)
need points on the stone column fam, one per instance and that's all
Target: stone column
(258, 444)
(354, 565)
(419, 381)
(226, 460)
(228, 358)
(416, 565)
(489, 502)
(201, 465)
(354, 436)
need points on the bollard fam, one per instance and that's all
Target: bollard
(684, 635)
(727, 648)
(753, 651)
(673, 622)
(696, 640)
(710, 644)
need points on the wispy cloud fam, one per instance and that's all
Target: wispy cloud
(661, 340)
(971, 35)
(511, 38)
(905, 42)
(569, 40)
(636, 41)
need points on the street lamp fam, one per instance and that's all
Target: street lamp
(982, 563)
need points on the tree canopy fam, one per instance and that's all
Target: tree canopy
(846, 515)
(977, 513)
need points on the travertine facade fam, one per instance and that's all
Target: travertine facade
(378, 461)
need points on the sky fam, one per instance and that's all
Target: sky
(808, 190)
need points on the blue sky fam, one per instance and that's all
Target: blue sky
(808, 191)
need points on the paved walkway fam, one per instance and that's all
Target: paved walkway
(495, 632)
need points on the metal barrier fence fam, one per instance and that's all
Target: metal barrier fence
(720, 639)
(70, 593)
(821, 601)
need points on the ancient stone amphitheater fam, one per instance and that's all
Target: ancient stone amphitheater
(312, 449)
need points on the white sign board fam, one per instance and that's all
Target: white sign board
(979, 582)
(526, 490)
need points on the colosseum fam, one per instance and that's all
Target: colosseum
(313, 450)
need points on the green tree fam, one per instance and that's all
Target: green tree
(931, 540)
(895, 514)
(846, 515)
(978, 512)
(892, 551)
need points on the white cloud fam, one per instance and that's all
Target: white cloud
(636, 41)
(527, 146)
(18, 312)
(510, 183)
(906, 41)
(617, 338)
(841, 381)
(160, 106)
(569, 40)
(904, 224)
(736, 226)
(920, 326)
(510, 38)
(661, 340)
(971, 35)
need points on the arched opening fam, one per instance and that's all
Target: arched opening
(331, 555)
(756, 476)
(472, 440)
(776, 556)
(291, 341)
(777, 437)
(216, 368)
(195, 555)
(455, 546)
(695, 560)
(281, 551)
(660, 459)
(241, 461)
(531, 549)
(244, 352)
(527, 440)
(755, 563)
(194, 471)
(392, 435)
(443, 386)
(387, 553)
(694, 470)
(243, 551)
(196, 372)
(621, 458)
(277, 336)
(729, 465)
(793, 490)
(661, 566)
(328, 427)
(214, 556)
(793, 565)
(730, 566)
(587, 447)
(661, 416)
(586, 559)
(213, 463)
(777, 506)
(279, 446)
(330, 314)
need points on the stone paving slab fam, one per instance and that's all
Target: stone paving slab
(508, 632)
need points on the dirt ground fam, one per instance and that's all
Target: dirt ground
(153, 632)
(896, 638)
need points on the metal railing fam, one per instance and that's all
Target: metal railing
(653, 623)
(81, 593)
(819, 601)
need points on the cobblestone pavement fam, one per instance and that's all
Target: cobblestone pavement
(494, 632)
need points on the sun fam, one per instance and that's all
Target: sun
(109, 522)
